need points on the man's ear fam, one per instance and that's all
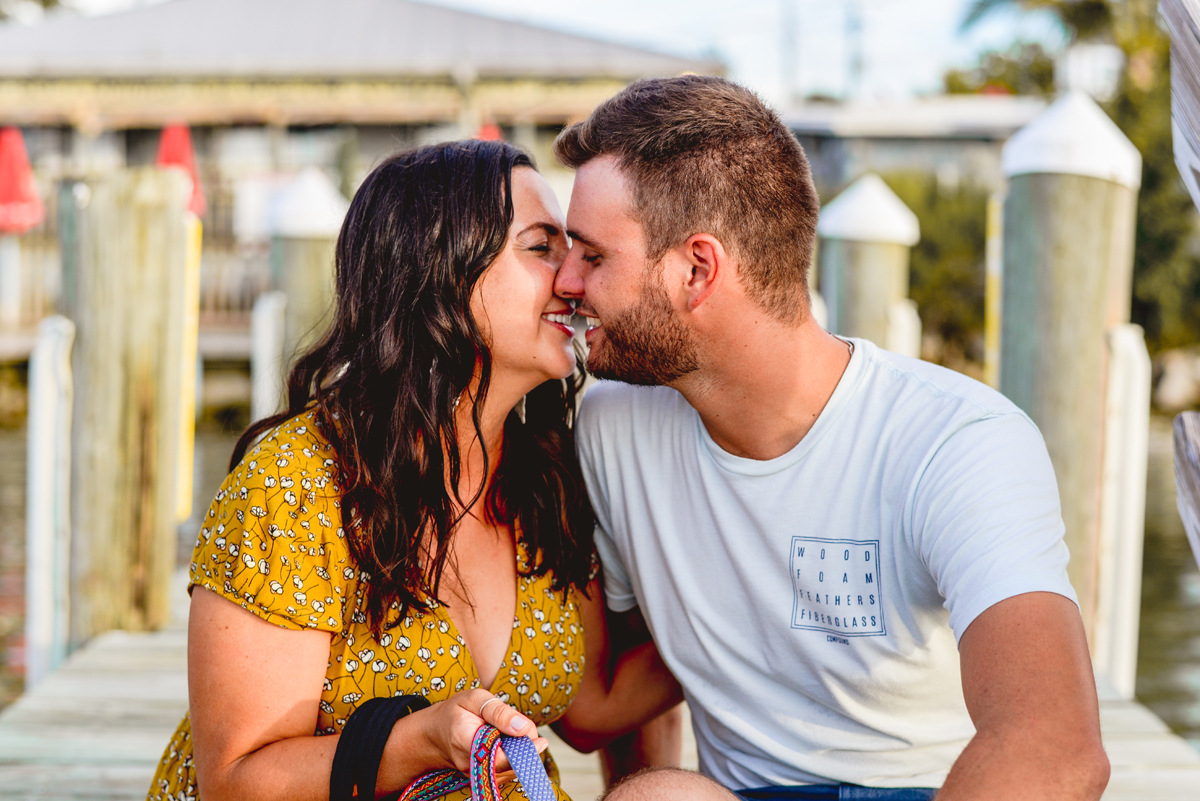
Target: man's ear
(708, 263)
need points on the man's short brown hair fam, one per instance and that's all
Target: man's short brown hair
(705, 155)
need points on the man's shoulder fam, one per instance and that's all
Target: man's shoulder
(612, 403)
(937, 416)
(921, 387)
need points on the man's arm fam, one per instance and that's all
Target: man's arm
(619, 693)
(1028, 684)
(659, 743)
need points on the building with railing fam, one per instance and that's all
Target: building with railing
(269, 87)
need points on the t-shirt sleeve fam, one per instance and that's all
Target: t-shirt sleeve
(618, 591)
(272, 540)
(986, 518)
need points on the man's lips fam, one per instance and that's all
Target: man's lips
(594, 327)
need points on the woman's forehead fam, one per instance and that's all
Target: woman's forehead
(533, 199)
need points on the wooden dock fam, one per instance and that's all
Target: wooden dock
(96, 728)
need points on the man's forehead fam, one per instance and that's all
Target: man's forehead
(604, 176)
(601, 200)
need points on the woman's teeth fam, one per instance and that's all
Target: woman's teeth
(561, 319)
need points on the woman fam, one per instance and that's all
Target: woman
(376, 538)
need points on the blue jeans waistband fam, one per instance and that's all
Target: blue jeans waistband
(838, 792)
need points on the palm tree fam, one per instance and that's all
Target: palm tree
(1083, 19)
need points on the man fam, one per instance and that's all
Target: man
(667, 784)
(852, 561)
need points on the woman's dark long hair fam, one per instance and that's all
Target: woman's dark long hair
(402, 348)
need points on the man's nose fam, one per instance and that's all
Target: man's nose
(568, 282)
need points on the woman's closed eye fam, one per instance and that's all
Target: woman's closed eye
(548, 248)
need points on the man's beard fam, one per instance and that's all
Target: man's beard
(645, 344)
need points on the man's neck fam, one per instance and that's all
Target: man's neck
(763, 386)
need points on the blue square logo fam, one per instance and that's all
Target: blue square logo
(835, 587)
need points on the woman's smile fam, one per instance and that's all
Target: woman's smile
(561, 320)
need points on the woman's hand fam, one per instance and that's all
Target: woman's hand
(450, 728)
(254, 710)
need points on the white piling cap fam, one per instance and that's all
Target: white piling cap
(869, 211)
(1073, 137)
(310, 207)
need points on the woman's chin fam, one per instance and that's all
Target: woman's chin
(570, 366)
(562, 367)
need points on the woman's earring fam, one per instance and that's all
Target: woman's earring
(520, 410)
(433, 367)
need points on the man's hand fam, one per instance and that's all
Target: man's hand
(1027, 680)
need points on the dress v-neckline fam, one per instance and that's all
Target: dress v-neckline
(511, 648)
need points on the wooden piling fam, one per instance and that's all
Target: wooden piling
(1067, 266)
(47, 500)
(866, 235)
(132, 306)
(993, 289)
(10, 281)
(267, 379)
(1123, 509)
(309, 217)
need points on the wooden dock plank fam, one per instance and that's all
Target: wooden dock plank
(75, 782)
(1129, 717)
(95, 730)
(1181, 784)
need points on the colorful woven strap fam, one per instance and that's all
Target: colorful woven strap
(522, 755)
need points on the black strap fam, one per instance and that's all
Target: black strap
(360, 748)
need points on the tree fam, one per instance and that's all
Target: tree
(8, 7)
(1026, 69)
(1166, 273)
(947, 267)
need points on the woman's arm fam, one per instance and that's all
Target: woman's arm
(254, 690)
(614, 699)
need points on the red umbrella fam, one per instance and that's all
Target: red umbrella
(175, 150)
(490, 132)
(20, 206)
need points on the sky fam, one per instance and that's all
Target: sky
(906, 44)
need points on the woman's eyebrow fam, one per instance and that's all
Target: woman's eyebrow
(549, 228)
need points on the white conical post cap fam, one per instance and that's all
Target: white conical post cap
(1073, 137)
(869, 211)
(310, 207)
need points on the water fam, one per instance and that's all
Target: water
(213, 447)
(12, 563)
(1168, 676)
(1169, 646)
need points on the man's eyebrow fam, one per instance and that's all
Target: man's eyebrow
(576, 236)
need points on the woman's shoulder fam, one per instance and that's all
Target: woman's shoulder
(272, 539)
(297, 445)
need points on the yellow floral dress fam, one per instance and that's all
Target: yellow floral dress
(273, 543)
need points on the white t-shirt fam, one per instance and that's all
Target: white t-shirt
(811, 604)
